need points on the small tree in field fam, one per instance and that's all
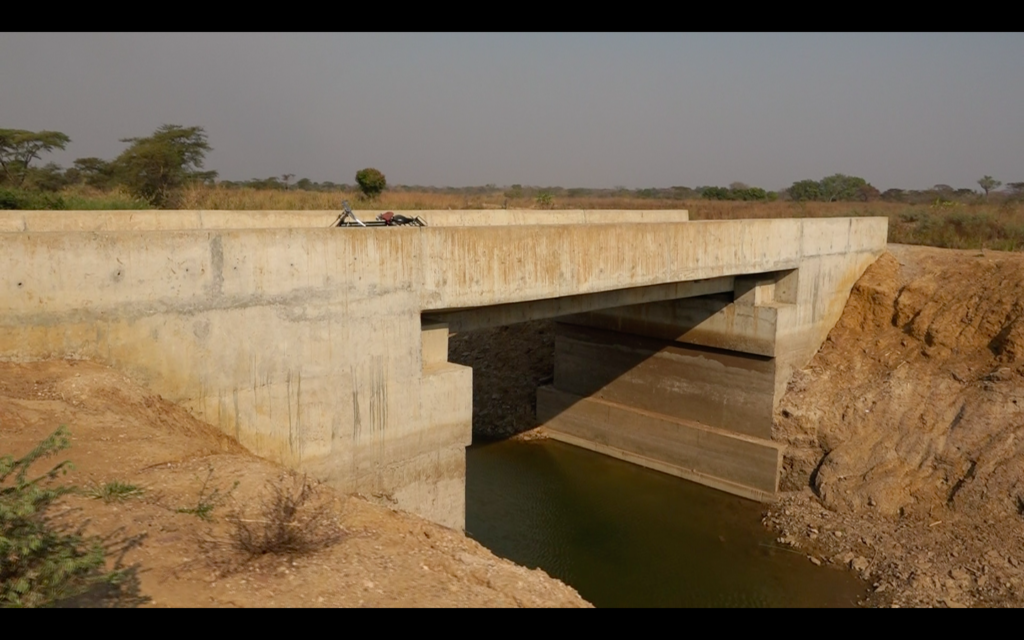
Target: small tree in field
(156, 167)
(989, 183)
(371, 182)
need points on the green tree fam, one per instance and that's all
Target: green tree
(155, 168)
(893, 195)
(49, 177)
(749, 193)
(371, 182)
(834, 188)
(715, 193)
(95, 172)
(18, 148)
(868, 193)
(989, 183)
(805, 190)
(839, 187)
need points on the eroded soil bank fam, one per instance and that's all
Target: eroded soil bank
(906, 432)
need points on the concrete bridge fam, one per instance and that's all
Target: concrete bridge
(325, 349)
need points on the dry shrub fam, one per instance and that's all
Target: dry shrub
(294, 520)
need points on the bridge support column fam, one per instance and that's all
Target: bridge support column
(700, 413)
(438, 491)
(690, 386)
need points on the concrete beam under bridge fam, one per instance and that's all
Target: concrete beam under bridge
(472, 319)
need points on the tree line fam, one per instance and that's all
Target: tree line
(153, 168)
(157, 167)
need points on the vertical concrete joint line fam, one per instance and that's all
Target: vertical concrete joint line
(217, 266)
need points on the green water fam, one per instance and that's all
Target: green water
(625, 536)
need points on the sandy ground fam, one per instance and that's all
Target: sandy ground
(120, 432)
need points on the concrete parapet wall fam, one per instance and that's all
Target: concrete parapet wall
(179, 220)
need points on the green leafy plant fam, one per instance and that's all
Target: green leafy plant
(116, 491)
(41, 563)
(208, 500)
(12, 198)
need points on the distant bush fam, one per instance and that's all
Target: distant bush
(750, 193)
(14, 198)
(113, 200)
(746, 194)
(715, 193)
(515, 191)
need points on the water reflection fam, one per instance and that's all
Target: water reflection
(625, 536)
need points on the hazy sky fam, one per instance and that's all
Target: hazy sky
(573, 110)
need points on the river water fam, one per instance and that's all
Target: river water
(626, 536)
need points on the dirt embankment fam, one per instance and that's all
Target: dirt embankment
(906, 432)
(122, 433)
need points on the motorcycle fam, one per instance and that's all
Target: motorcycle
(386, 219)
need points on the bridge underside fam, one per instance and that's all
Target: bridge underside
(325, 349)
(635, 392)
(685, 382)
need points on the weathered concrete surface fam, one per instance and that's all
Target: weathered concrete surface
(784, 313)
(179, 220)
(504, 314)
(717, 458)
(306, 343)
(636, 358)
(721, 389)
